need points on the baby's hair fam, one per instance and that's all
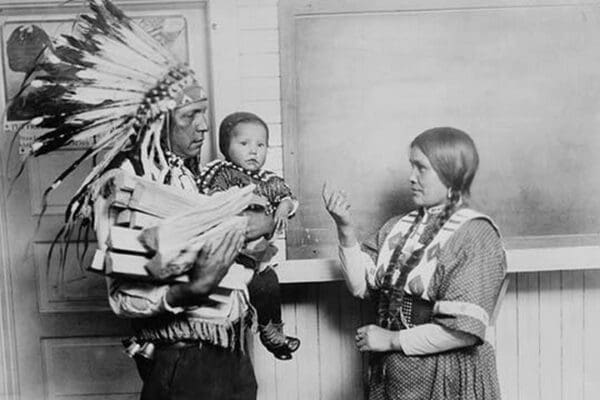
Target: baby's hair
(230, 122)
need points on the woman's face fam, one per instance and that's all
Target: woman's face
(188, 129)
(426, 187)
(248, 146)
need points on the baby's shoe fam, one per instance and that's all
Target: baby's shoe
(273, 338)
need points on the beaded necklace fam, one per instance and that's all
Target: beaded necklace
(178, 170)
(404, 258)
(206, 176)
(173, 159)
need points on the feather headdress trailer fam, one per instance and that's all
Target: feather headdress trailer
(109, 83)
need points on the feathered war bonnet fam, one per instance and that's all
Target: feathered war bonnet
(109, 83)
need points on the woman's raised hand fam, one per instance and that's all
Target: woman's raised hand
(337, 205)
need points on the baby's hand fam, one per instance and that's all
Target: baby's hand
(282, 214)
(281, 218)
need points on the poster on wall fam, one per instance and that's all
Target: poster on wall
(23, 42)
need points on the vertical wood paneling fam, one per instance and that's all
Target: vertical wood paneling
(8, 357)
(368, 317)
(308, 331)
(330, 347)
(591, 334)
(286, 372)
(264, 363)
(572, 340)
(528, 336)
(507, 348)
(546, 340)
(550, 336)
(350, 357)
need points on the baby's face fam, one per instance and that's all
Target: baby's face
(248, 146)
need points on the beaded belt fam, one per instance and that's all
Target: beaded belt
(416, 311)
(413, 311)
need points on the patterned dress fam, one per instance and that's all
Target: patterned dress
(467, 279)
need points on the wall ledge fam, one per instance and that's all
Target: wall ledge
(519, 260)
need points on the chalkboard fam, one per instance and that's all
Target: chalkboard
(523, 81)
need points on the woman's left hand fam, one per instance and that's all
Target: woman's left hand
(375, 338)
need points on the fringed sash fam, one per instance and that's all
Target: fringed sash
(186, 326)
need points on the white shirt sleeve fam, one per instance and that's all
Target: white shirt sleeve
(355, 264)
(433, 338)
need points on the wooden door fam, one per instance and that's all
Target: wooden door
(66, 341)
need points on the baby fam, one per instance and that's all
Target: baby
(243, 140)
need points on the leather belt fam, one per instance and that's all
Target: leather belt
(182, 344)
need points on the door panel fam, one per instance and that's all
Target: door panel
(67, 340)
(88, 366)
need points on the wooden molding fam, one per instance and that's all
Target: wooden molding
(8, 4)
(43, 7)
(519, 260)
(9, 380)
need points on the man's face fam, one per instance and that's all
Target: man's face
(188, 129)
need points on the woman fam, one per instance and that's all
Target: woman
(435, 275)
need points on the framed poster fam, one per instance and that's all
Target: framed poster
(23, 41)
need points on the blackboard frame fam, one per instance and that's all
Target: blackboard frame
(582, 245)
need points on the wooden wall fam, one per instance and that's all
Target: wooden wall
(547, 336)
(546, 339)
